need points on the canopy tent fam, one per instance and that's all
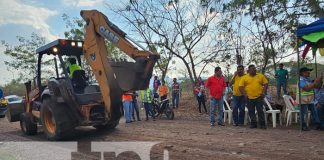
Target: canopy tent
(313, 36)
(314, 27)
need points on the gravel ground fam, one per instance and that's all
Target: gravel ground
(189, 136)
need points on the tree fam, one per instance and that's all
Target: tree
(185, 29)
(272, 25)
(164, 61)
(23, 57)
(14, 87)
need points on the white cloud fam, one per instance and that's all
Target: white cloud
(82, 3)
(15, 12)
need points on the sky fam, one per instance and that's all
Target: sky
(44, 17)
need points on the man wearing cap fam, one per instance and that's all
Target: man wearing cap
(306, 100)
(282, 78)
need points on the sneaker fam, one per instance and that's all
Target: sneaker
(263, 127)
(305, 129)
(317, 126)
(221, 124)
(235, 124)
(253, 126)
(212, 124)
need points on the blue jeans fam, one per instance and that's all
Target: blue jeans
(128, 110)
(175, 100)
(148, 109)
(219, 102)
(320, 112)
(282, 84)
(304, 111)
(135, 109)
(238, 109)
(257, 104)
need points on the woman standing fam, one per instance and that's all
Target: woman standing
(199, 91)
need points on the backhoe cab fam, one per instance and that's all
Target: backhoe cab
(62, 102)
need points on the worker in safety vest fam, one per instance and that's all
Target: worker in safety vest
(306, 100)
(146, 97)
(127, 99)
(72, 67)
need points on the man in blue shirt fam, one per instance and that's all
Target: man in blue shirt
(306, 100)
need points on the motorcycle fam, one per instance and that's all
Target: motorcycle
(162, 107)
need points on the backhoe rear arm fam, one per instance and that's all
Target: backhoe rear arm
(98, 28)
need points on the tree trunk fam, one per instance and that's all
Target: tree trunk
(270, 41)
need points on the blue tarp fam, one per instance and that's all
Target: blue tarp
(316, 26)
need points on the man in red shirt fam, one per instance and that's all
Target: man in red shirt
(216, 85)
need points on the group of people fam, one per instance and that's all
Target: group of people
(250, 89)
(160, 90)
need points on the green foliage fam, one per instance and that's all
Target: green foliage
(74, 27)
(23, 56)
(14, 87)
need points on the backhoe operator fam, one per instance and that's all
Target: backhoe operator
(72, 67)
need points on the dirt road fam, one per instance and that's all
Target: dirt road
(189, 136)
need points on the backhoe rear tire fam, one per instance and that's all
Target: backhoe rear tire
(27, 124)
(56, 120)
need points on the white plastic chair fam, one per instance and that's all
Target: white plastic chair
(228, 113)
(273, 113)
(290, 109)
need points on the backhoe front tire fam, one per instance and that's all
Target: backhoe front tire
(107, 127)
(56, 120)
(27, 124)
(169, 113)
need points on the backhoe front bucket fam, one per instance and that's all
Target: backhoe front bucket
(133, 76)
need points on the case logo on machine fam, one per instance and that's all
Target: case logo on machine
(107, 34)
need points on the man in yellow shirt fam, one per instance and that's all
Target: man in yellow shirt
(238, 98)
(254, 86)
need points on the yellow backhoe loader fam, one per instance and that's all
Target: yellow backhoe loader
(63, 102)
